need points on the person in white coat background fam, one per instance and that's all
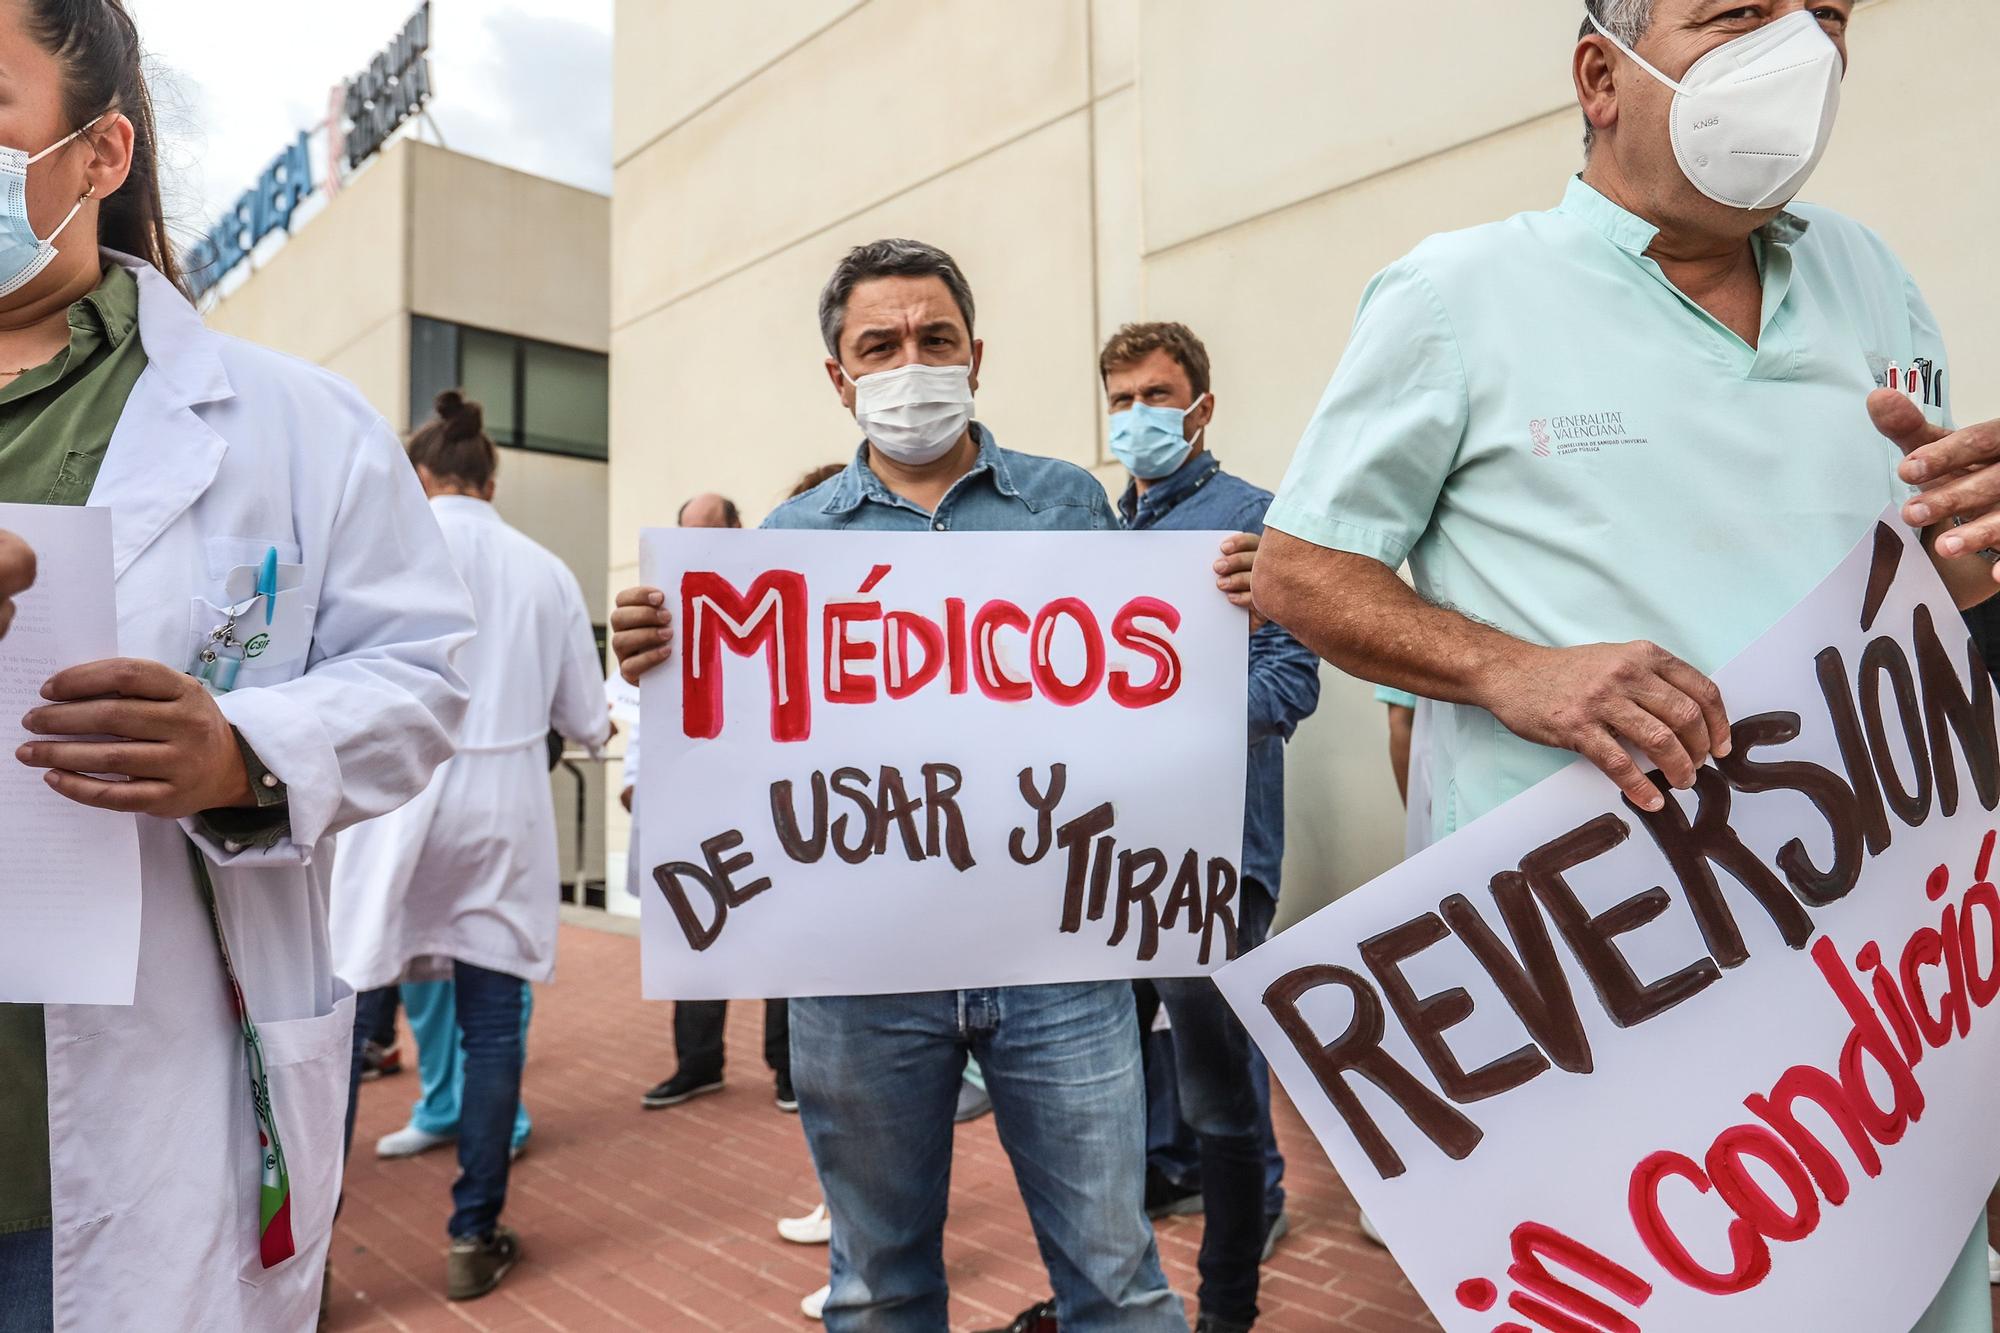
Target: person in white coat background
(142, 1184)
(462, 882)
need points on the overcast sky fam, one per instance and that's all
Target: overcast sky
(522, 82)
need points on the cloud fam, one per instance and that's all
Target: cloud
(526, 83)
(538, 97)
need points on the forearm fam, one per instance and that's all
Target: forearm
(1356, 613)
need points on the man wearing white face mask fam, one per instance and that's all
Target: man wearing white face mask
(877, 1076)
(1618, 440)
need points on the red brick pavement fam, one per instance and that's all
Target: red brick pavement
(662, 1220)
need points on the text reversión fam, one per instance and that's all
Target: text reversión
(1927, 702)
(867, 653)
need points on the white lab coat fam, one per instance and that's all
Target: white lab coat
(634, 882)
(468, 870)
(225, 450)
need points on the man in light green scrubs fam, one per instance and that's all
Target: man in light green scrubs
(1616, 441)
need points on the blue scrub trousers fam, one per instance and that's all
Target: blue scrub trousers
(433, 1010)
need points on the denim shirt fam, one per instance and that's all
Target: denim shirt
(1004, 492)
(1284, 673)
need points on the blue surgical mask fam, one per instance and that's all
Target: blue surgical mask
(1152, 441)
(23, 255)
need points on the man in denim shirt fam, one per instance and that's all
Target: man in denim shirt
(877, 1076)
(1156, 384)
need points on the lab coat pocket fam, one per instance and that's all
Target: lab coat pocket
(308, 1062)
(281, 641)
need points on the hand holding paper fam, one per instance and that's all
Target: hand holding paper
(69, 900)
(172, 753)
(17, 575)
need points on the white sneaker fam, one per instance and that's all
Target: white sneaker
(812, 1305)
(409, 1141)
(1993, 1266)
(1368, 1230)
(815, 1228)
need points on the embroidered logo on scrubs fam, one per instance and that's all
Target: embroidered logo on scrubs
(1580, 433)
(256, 646)
(1922, 379)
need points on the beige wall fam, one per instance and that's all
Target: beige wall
(428, 232)
(1242, 167)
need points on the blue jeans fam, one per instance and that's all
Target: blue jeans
(1172, 1147)
(27, 1281)
(877, 1080)
(1218, 1099)
(433, 1010)
(491, 1027)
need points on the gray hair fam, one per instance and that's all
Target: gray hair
(1629, 21)
(893, 258)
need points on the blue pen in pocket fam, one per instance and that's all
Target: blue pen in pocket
(267, 585)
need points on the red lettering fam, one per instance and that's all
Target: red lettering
(1926, 949)
(1126, 633)
(1886, 1125)
(1819, 1087)
(1986, 897)
(899, 629)
(994, 683)
(1054, 688)
(1747, 1250)
(1536, 1245)
(770, 615)
(954, 628)
(843, 687)
(1869, 960)
(1747, 1198)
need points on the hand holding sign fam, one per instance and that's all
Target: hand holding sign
(642, 632)
(1594, 699)
(1722, 1065)
(1954, 468)
(17, 575)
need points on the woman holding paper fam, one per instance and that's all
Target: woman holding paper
(286, 613)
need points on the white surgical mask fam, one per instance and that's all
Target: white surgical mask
(23, 255)
(914, 413)
(1752, 118)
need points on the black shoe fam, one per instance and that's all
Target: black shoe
(475, 1266)
(681, 1087)
(1210, 1323)
(1166, 1198)
(788, 1101)
(1038, 1318)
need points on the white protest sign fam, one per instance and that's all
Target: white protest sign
(888, 762)
(1730, 1067)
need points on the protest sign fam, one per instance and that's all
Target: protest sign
(1730, 1066)
(889, 762)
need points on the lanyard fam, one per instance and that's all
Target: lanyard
(274, 1181)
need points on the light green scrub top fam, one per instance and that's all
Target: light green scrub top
(1395, 698)
(1564, 446)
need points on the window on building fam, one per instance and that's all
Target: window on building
(537, 395)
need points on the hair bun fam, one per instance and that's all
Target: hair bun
(463, 418)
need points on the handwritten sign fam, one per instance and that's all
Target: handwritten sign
(1728, 1067)
(889, 762)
